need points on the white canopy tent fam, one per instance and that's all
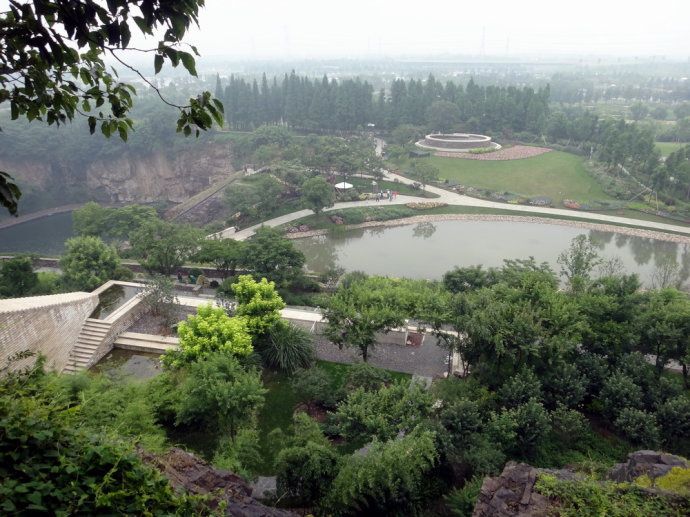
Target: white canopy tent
(343, 186)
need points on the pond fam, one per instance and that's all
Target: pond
(126, 363)
(112, 299)
(45, 236)
(427, 250)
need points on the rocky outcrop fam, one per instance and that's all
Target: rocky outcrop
(653, 464)
(130, 177)
(511, 494)
(160, 176)
(184, 470)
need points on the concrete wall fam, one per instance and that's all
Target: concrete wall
(120, 321)
(43, 324)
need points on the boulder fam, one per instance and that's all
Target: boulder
(186, 471)
(510, 494)
(654, 464)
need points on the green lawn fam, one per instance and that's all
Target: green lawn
(666, 148)
(554, 174)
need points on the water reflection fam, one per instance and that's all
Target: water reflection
(424, 230)
(387, 250)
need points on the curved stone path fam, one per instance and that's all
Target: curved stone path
(455, 199)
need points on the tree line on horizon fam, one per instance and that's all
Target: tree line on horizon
(344, 105)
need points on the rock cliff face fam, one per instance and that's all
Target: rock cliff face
(130, 178)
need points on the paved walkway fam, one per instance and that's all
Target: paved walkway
(455, 199)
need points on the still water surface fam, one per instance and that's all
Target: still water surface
(427, 250)
(423, 250)
(45, 236)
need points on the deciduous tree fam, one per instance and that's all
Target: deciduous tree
(162, 246)
(17, 277)
(317, 194)
(89, 263)
(210, 330)
(53, 64)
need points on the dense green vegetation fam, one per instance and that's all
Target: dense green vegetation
(553, 377)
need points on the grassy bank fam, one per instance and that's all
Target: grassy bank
(666, 148)
(387, 213)
(554, 174)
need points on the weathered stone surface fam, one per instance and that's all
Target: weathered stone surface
(654, 464)
(132, 178)
(511, 494)
(184, 470)
(48, 325)
(264, 487)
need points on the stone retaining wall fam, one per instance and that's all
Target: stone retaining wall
(457, 141)
(48, 325)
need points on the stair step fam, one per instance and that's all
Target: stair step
(80, 356)
(93, 332)
(86, 346)
(89, 341)
(81, 353)
(97, 323)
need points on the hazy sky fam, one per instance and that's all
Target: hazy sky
(316, 28)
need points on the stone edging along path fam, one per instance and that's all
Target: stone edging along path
(637, 232)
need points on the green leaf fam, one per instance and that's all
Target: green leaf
(141, 23)
(157, 63)
(126, 35)
(188, 62)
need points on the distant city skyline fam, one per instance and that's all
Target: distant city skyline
(275, 29)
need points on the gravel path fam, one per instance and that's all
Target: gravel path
(455, 199)
(429, 360)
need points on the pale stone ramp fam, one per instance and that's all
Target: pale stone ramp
(151, 343)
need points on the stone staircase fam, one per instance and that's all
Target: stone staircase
(146, 342)
(90, 337)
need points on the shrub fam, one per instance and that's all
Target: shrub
(304, 474)
(314, 385)
(240, 454)
(52, 466)
(462, 419)
(392, 479)
(639, 427)
(519, 389)
(367, 377)
(564, 385)
(287, 347)
(674, 417)
(595, 369)
(461, 501)
(210, 330)
(531, 426)
(568, 426)
(219, 394)
(159, 299)
(620, 392)
(484, 457)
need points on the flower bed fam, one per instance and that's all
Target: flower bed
(425, 205)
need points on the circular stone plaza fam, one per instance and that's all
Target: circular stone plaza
(457, 142)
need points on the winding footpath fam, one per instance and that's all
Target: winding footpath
(455, 199)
